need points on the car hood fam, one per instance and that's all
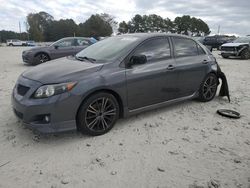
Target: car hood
(233, 44)
(61, 70)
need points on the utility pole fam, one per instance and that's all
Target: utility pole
(219, 30)
(19, 29)
(27, 29)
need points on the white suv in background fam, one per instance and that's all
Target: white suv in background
(15, 42)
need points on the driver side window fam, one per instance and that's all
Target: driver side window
(154, 49)
(65, 43)
(82, 42)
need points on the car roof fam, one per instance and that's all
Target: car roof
(150, 35)
(75, 38)
(245, 37)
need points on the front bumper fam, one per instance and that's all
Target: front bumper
(28, 58)
(61, 109)
(229, 53)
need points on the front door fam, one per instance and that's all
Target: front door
(154, 81)
(63, 48)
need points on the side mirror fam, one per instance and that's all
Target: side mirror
(56, 47)
(137, 60)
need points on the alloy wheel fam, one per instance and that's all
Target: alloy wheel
(209, 87)
(43, 58)
(100, 114)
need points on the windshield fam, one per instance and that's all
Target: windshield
(109, 49)
(242, 40)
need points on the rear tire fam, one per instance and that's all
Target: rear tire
(208, 88)
(98, 114)
(245, 54)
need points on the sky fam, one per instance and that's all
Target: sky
(232, 16)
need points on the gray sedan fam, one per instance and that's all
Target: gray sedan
(116, 77)
(61, 48)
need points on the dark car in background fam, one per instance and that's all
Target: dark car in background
(217, 40)
(240, 47)
(198, 38)
(116, 77)
(201, 40)
(61, 48)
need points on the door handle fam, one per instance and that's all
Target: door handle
(205, 61)
(170, 67)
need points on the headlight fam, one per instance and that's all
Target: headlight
(55, 89)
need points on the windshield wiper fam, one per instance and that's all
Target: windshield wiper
(92, 60)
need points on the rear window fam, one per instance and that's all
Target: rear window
(185, 47)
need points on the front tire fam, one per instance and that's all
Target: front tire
(225, 56)
(208, 88)
(245, 54)
(41, 58)
(98, 114)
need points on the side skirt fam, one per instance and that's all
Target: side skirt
(158, 105)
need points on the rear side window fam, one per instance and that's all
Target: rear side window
(155, 49)
(185, 47)
(200, 50)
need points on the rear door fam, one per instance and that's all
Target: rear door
(153, 82)
(191, 65)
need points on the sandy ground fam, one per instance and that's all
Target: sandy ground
(181, 146)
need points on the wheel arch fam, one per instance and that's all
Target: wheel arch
(42, 52)
(244, 49)
(104, 90)
(216, 74)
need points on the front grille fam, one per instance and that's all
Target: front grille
(223, 48)
(22, 90)
(18, 114)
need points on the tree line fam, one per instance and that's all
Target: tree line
(186, 25)
(43, 27)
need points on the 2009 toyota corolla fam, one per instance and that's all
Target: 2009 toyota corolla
(113, 78)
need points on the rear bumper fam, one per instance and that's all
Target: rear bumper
(224, 90)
